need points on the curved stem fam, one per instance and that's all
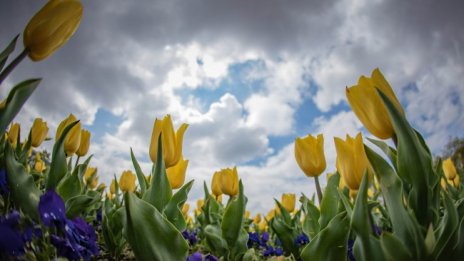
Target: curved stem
(318, 189)
(12, 65)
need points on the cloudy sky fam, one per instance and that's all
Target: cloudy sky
(247, 76)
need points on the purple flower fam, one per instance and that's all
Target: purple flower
(190, 237)
(377, 230)
(51, 209)
(210, 257)
(11, 240)
(301, 240)
(278, 252)
(269, 251)
(195, 257)
(3, 182)
(265, 237)
(350, 250)
(253, 239)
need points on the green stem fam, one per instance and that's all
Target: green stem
(12, 65)
(318, 189)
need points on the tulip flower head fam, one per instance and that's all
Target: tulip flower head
(288, 201)
(309, 154)
(185, 209)
(14, 134)
(51, 27)
(113, 186)
(172, 141)
(229, 181)
(127, 181)
(39, 165)
(351, 160)
(39, 132)
(73, 138)
(216, 184)
(85, 143)
(449, 169)
(91, 178)
(369, 107)
(176, 174)
(257, 219)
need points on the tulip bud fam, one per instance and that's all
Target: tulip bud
(73, 138)
(288, 201)
(85, 143)
(262, 226)
(91, 178)
(185, 209)
(229, 181)
(200, 203)
(449, 169)
(257, 219)
(113, 186)
(39, 165)
(216, 184)
(351, 160)
(127, 181)
(51, 27)
(176, 174)
(247, 214)
(39, 132)
(457, 181)
(172, 142)
(369, 107)
(13, 134)
(309, 154)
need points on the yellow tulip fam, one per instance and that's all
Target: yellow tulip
(200, 203)
(229, 181)
(51, 27)
(85, 143)
(216, 184)
(443, 183)
(309, 154)
(113, 187)
(176, 174)
(172, 142)
(13, 134)
(263, 226)
(456, 181)
(91, 178)
(127, 181)
(270, 215)
(288, 201)
(368, 106)
(247, 214)
(219, 199)
(351, 160)
(39, 165)
(185, 209)
(449, 169)
(73, 139)
(39, 132)
(257, 219)
(101, 187)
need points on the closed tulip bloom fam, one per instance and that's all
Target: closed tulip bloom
(39, 132)
(172, 141)
(185, 209)
(351, 160)
(85, 143)
(449, 169)
(91, 178)
(309, 154)
(200, 203)
(39, 165)
(262, 226)
(127, 181)
(176, 174)
(216, 184)
(247, 214)
(369, 107)
(457, 181)
(13, 134)
(257, 219)
(113, 187)
(229, 181)
(288, 201)
(51, 27)
(73, 139)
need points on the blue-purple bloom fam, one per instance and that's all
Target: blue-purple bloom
(210, 257)
(253, 239)
(3, 182)
(190, 237)
(301, 240)
(350, 250)
(197, 256)
(52, 209)
(11, 241)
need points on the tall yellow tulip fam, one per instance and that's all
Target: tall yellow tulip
(113, 186)
(351, 160)
(449, 169)
(13, 134)
(127, 181)
(216, 184)
(288, 201)
(39, 165)
(176, 174)
(368, 106)
(85, 143)
(51, 27)
(309, 154)
(172, 142)
(73, 139)
(257, 219)
(185, 209)
(229, 181)
(39, 132)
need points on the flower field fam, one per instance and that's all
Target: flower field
(388, 200)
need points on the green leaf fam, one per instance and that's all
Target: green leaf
(215, 241)
(393, 248)
(77, 205)
(139, 173)
(22, 187)
(448, 226)
(389, 151)
(58, 166)
(71, 185)
(286, 234)
(232, 221)
(414, 165)
(150, 235)
(329, 204)
(7, 51)
(15, 101)
(159, 193)
(331, 243)
(405, 226)
(346, 203)
(173, 210)
(240, 247)
(311, 225)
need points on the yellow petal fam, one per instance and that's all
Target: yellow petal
(176, 174)
(127, 181)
